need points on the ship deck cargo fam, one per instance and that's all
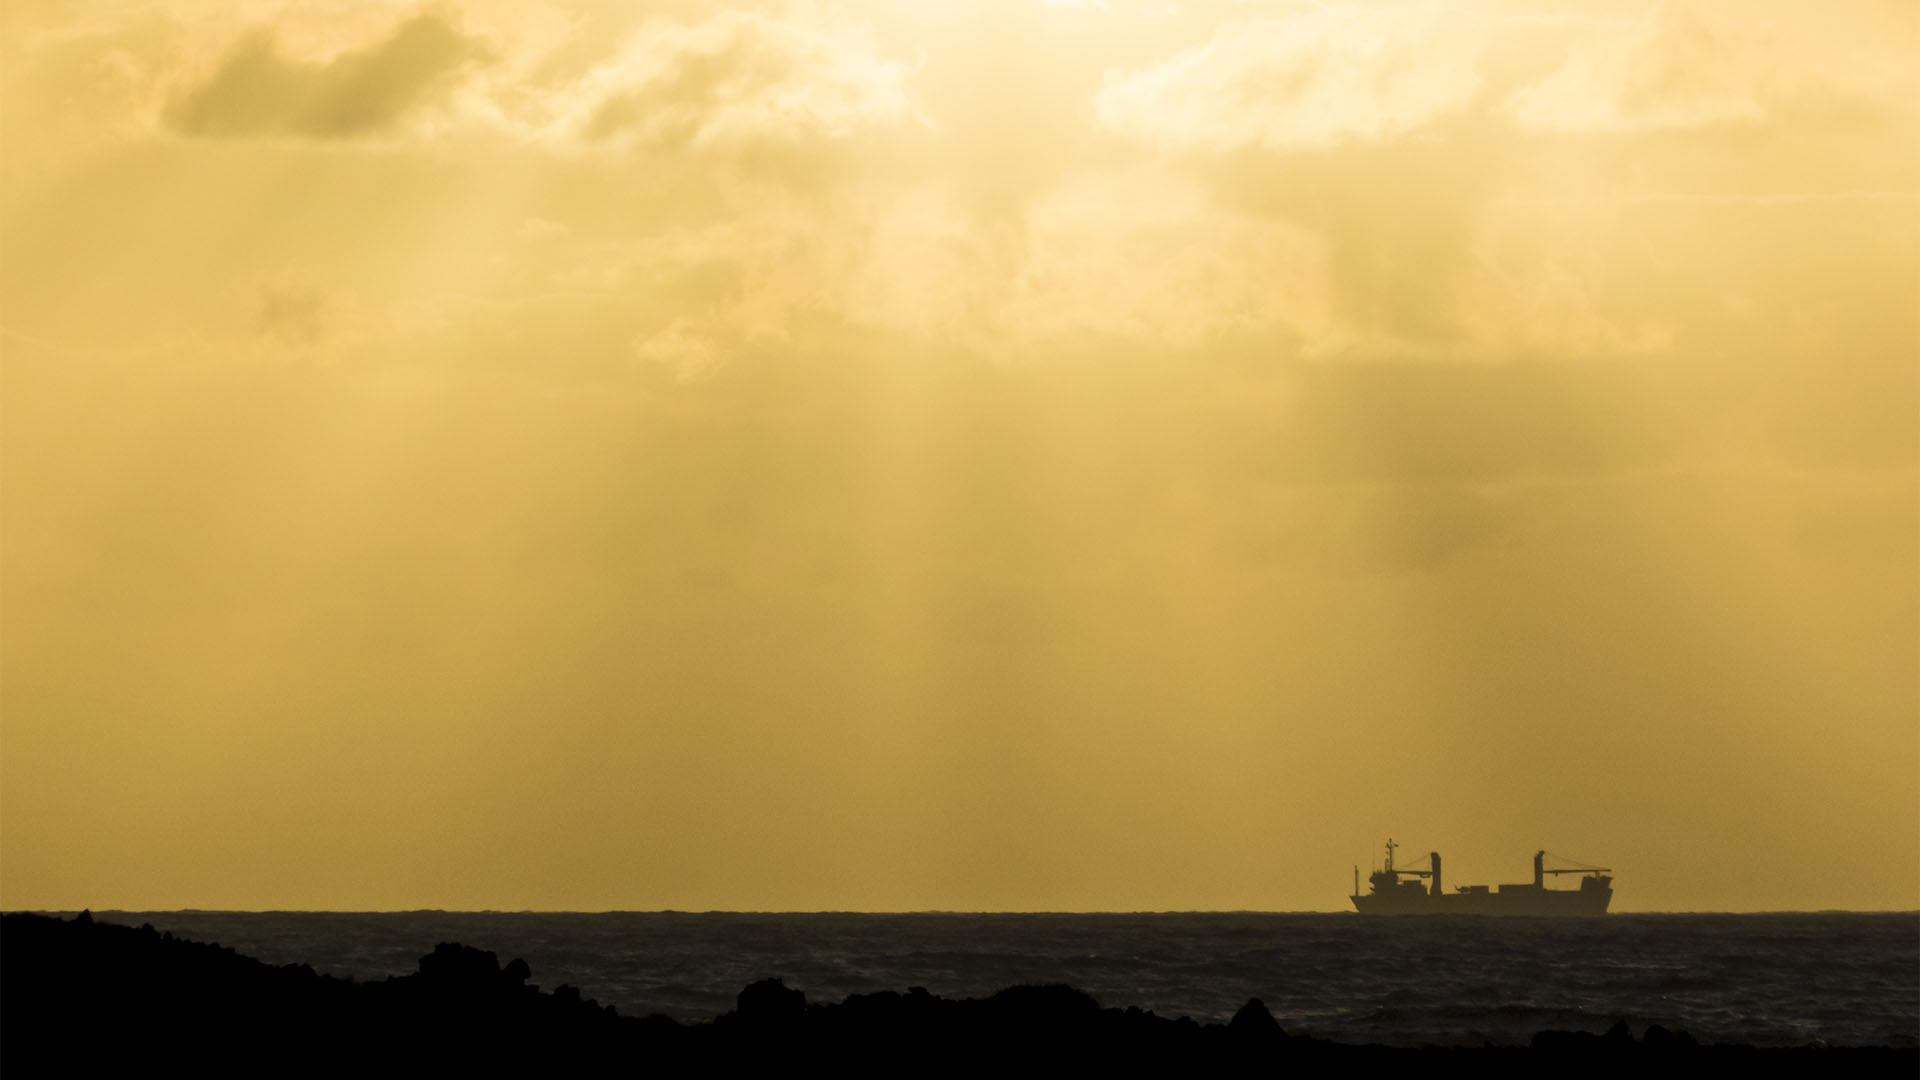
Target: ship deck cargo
(1416, 890)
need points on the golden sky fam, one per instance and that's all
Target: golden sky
(963, 454)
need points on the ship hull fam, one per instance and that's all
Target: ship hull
(1509, 900)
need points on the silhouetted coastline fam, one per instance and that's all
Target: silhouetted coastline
(78, 994)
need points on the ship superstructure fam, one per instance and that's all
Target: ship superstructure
(1416, 890)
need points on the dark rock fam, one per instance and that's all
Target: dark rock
(1254, 1021)
(89, 997)
(451, 962)
(770, 1001)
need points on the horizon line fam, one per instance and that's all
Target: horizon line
(884, 912)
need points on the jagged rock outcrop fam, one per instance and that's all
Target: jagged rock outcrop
(80, 996)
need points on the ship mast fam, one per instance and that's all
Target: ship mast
(1389, 854)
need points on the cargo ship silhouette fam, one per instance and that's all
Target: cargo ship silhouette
(1390, 895)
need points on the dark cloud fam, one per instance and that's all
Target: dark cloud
(672, 107)
(257, 91)
(1425, 528)
(1428, 423)
(1399, 217)
(295, 315)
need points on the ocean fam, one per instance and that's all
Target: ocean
(1842, 979)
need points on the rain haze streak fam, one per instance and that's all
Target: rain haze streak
(1000, 455)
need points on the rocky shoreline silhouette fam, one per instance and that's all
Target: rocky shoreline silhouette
(78, 994)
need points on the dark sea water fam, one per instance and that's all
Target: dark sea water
(1788, 979)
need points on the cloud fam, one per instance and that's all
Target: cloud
(1310, 80)
(1339, 74)
(1671, 71)
(536, 229)
(1690, 64)
(1393, 132)
(256, 91)
(742, 77)
(689, 352)
(1365, 126)
(1413, 422)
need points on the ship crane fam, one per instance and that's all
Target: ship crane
(1432, 870)
(1540, 870)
